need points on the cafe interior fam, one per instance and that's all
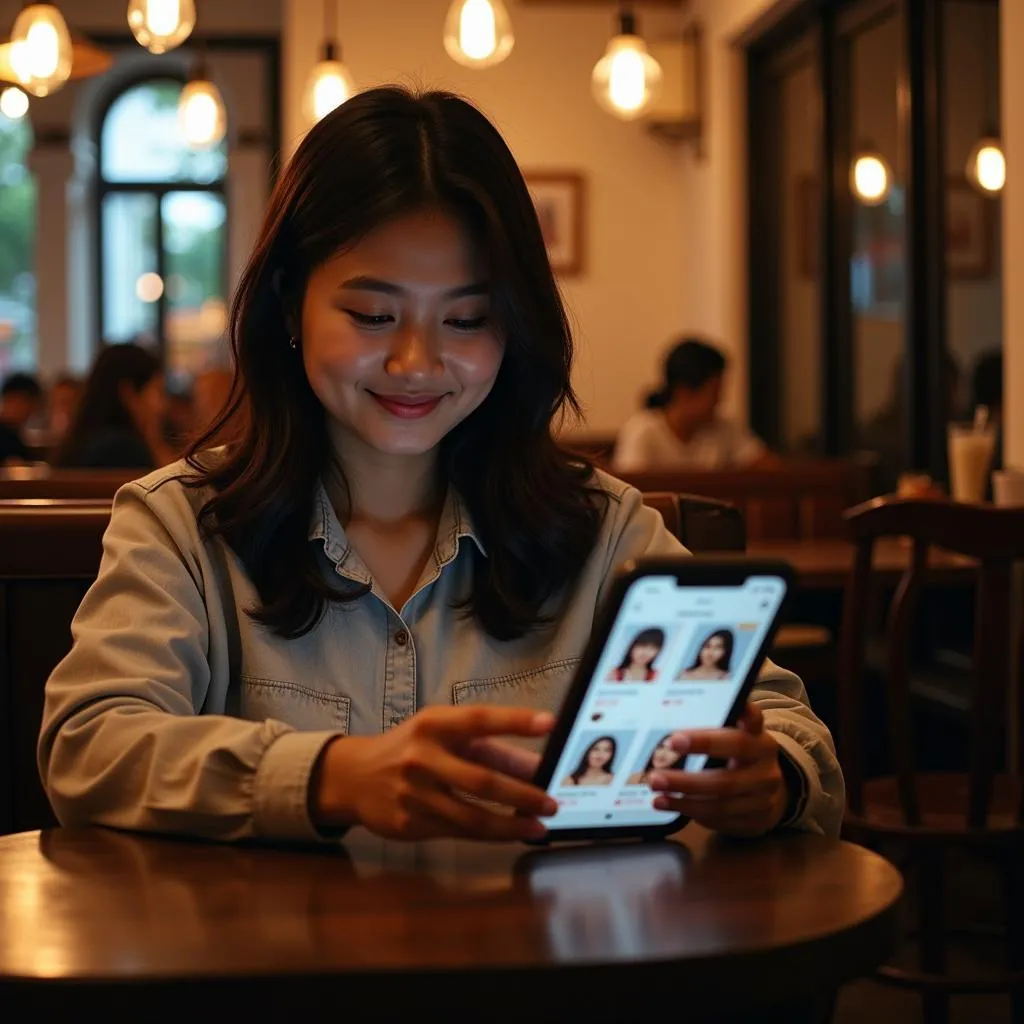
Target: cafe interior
(784, 233)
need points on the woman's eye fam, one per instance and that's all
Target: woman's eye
(474, 324)
(370, 319)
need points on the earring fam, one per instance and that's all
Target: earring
(293, 342)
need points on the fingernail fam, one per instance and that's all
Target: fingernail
(543, 721)
(550, 807)
(680, 743)
(658, 781)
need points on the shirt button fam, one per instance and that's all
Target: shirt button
(401, 638)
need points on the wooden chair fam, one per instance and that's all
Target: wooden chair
(49, 554)
(931, 814)
(20, 482)
(701, 524)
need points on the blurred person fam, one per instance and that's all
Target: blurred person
(64, 398)
(120, 418)
(21, 400)
(681, 428)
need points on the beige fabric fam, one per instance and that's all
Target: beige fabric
(174, 712)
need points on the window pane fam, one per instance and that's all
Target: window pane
(17, 249)
(140, 140)
(194, 246)
(131, 286)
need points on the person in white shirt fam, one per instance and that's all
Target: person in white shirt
(680, 428)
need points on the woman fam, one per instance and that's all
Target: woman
(637, 664)
(663, 757)
(597, 765)
(714, 659)
(331, 619)
(118, 422)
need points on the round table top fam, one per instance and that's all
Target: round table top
(732, 925)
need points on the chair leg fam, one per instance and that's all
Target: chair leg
(1013, 894)
(931, 928)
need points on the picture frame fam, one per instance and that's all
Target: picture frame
(560, 200)
(970, 225)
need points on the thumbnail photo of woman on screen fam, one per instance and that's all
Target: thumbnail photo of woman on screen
(597, 765)
(714, 658)
(638, 663)
(663, 758)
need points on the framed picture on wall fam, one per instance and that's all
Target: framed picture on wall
(560, 201)
(969, 231)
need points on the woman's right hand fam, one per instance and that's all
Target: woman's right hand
(416, 780)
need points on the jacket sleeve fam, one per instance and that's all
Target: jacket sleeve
(123, 742)
(802, 737)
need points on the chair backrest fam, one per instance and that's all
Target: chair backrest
(703, 525)
(49, 554)
(798, 500)
(994, 537)
(21, 482)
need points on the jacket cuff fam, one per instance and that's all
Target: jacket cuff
(281, 799)
(798, 769)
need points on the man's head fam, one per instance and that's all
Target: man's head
(21, 398)
(694, 371)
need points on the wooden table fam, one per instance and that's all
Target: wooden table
(825, 564)
(96, 919)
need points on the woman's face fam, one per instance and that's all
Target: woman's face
(599, 754)
(644, 654)
(712, 652)
(664, 756)
(397, 337)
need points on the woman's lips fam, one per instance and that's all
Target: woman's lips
(408, 407)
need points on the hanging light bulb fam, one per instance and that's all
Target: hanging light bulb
(478, 33)
(41, 49)
(13, 103)
(330, 83)
(627, 79)
(161, 25)
(986, 166)
(202, 119)
(870, 178)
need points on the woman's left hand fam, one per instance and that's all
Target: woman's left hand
(745, 798)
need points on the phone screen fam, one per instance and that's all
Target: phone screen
(676, 658)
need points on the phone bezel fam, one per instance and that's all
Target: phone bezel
(689, 571)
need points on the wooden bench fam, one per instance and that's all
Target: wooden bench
(20, 482)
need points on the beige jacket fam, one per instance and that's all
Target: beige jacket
(175, 712)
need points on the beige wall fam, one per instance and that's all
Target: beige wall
(633, 296)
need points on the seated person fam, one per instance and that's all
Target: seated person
(597, 765)
(680, 428)
(987, 391)
(21, 399)
(663, 758)
(636, 665)
(714, 659)
(343, 616)
(119, 422)
(64, 398)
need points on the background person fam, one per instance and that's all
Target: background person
(21, 400)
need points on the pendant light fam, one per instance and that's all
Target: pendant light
(13, 103)
(870, 177)
(202, 119)
(161, 25)
(986, 166)
(627, 79)
(330, 83)
(41, 54)
(478, 33)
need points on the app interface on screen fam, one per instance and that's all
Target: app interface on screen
(675, 659)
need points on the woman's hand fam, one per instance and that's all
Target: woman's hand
(746, 798)
(424, 779)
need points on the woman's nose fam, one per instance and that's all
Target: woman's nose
(414, 353)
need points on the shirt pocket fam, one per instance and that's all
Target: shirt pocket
(298, 706)
(542, 688)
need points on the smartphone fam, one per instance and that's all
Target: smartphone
(678, 646)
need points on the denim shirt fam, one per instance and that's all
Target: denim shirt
(176, 712)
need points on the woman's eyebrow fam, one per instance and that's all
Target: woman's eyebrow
(376, 284)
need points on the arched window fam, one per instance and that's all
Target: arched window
(162, 230)
(17, 248)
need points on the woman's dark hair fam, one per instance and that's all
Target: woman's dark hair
(100, 407)
(385, 153)
(690, 364)
(728, 642)
(649, 767)
(647, 637)
(581, 768)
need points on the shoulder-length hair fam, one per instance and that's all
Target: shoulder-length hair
(728, 642)
(609, 768)
(653, 637)
(384, 153)
(101, 406)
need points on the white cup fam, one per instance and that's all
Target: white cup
(970, 460)
(1008, 487)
